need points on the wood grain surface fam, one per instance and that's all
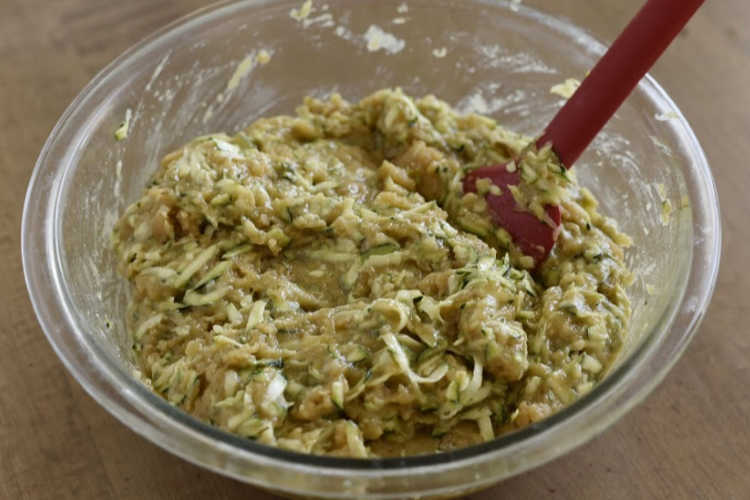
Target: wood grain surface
(689, 439)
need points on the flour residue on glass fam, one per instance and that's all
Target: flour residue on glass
(476, 102)
(663, 148)
(304, 12)
(439, 53)
(378, 39)
(373, 39)
(342, 31)
(518, 62)
(324, 20)
(158, 70)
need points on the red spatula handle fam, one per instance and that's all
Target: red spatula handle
(615, 76)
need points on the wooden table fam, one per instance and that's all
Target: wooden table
(689, 439)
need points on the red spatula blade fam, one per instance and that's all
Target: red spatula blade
(533, 237)
(584, 115)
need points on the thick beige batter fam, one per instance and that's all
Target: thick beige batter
(321, 283)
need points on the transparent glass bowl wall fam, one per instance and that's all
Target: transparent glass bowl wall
(499, 59)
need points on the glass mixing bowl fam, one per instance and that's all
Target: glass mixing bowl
(494, 57)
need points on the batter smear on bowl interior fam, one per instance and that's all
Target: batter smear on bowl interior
(321, 283)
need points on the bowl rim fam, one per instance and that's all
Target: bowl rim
(42, 264)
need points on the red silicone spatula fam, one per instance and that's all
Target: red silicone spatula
(584, 115)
